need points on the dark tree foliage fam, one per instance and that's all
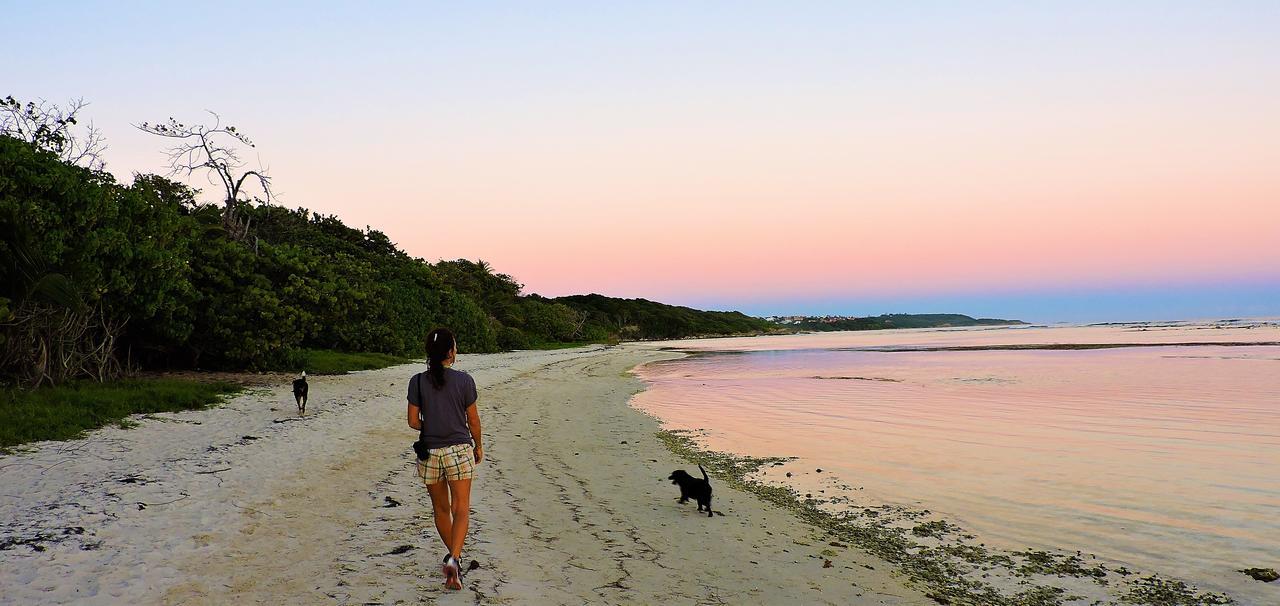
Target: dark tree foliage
(643, 319)
(99, 277)
(85, 262)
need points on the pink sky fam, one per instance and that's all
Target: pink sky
(737, 152)
(872, 200)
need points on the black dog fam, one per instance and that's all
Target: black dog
(300, 392)
(693, 488)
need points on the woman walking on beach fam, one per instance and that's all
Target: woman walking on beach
(442, 407)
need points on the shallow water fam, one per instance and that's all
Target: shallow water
(1165, 459)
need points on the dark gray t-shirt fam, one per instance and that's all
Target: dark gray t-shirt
(444, 410)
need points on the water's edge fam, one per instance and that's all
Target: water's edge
(934, 555)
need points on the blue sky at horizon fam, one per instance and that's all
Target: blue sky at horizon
(1158, 303)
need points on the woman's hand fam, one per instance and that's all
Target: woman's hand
(478, 451)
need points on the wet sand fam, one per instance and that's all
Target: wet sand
(248, 503)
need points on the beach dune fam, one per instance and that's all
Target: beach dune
(248, 503)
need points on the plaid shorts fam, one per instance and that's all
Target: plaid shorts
(449, 463)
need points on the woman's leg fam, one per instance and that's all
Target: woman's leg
(460, 500)
(444, 515)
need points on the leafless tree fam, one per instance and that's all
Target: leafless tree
(577, 319)
(213, 149)
(52, 127)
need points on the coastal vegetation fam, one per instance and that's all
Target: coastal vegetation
(639, 319)
(66, 411)
(101, 278)
(329, 362)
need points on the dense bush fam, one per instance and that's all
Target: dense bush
(84, 262)
(643, 319)
(98, 275)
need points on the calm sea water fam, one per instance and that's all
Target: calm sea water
(1160, 458)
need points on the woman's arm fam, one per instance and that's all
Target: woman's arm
(415, 421)
(473, 423)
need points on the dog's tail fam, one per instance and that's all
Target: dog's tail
(704, 474)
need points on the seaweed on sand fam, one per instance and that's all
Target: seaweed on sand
(950, 570)
(1168, 592)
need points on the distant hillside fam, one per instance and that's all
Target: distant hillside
(644, 319)
(832, 323)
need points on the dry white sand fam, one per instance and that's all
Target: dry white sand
(247, 503)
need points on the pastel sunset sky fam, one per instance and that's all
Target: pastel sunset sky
(1071, 161)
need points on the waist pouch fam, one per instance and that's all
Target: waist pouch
(420, 449)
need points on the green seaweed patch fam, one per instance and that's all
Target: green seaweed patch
(934, 528)
(1046, 595)
(950, 573)
(1057, 564)
(974, 554)
(1158, 591)
(1266, 575)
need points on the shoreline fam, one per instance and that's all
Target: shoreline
(248, 502)
(939, 557)
(950, 565)
(571, 506)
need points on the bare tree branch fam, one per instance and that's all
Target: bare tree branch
(51, 127)
(212, 149)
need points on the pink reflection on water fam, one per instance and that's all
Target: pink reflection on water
(1161, 458)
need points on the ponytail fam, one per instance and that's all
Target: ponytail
(439, 343)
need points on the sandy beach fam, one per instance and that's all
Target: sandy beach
(248, 503)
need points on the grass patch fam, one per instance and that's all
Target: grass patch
(328, 362)
(67, 411)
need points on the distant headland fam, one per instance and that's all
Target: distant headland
(885, 321)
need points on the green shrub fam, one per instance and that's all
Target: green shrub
(325, 362)
(510, 337)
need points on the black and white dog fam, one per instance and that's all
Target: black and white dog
(693, 488)
(300, 392)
